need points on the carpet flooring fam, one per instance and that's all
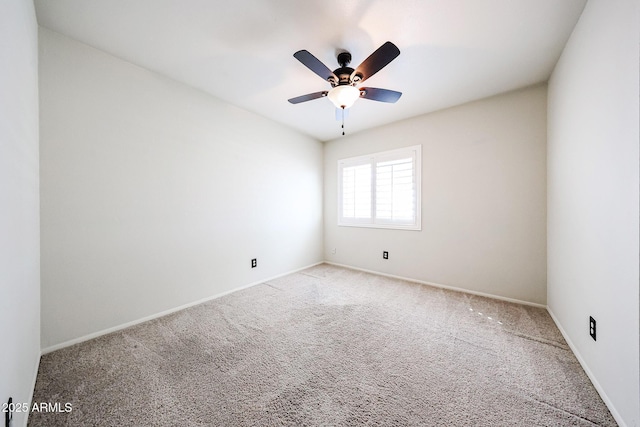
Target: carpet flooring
(326, 346)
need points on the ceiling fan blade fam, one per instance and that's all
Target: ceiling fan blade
(308, 97)
(314, 64)
(382, 95)
(376, 61)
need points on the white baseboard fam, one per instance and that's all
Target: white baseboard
(437, 285)
(163, 313)
(586, 369)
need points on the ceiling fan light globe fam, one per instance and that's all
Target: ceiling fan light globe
(344, 96)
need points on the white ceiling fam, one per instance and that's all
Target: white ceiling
(452, 51)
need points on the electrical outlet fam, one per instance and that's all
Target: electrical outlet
(592, 327)
(333, 251)
(254, 263)
(385, 255)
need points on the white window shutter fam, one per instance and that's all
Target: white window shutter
(381, 190)
(395, 191)
(356, 192)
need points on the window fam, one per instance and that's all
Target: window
(381, 190)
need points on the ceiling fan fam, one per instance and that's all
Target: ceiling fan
(343, 80)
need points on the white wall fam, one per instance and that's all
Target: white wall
(483, 199)
(19, 203)
(155, 195)
(593, 199)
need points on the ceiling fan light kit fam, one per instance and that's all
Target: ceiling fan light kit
(344, 96)
(343, 80)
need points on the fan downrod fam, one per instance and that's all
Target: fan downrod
(344, 59)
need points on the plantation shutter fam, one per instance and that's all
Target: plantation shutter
(395, 191)
(381, 190)
(356, 192)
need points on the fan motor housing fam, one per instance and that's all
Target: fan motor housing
(344, 76)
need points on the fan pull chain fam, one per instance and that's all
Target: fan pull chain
(342, 121)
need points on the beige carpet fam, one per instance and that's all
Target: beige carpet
(323, 347)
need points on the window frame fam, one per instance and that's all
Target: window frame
(415, 153)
